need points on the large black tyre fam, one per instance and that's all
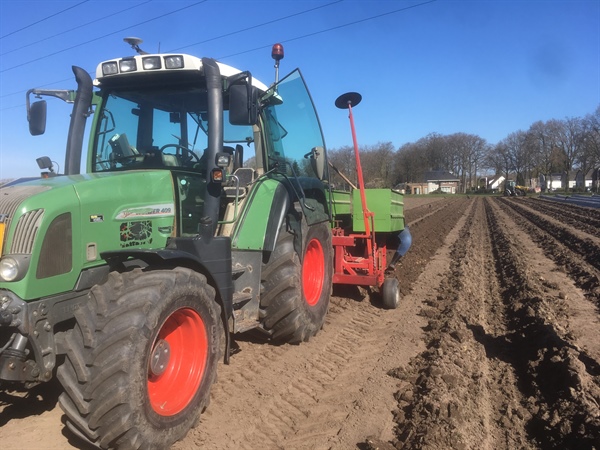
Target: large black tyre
(296, 292)
(141, 359)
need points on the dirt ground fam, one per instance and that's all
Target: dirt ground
(494, 346)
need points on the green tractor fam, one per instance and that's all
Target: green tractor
(512, 189)
(205, 210)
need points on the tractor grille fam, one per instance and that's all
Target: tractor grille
(10, 199)
(27, 228)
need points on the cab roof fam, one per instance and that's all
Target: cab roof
(156, 63)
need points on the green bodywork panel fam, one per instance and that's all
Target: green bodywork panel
(109, 211)
(386, 204)
(341, 203)
(249, 232)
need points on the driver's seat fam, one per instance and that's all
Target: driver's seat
(170, 160)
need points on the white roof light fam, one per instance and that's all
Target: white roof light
(160, 63)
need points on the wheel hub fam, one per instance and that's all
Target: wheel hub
(313, 272)
(160, 357)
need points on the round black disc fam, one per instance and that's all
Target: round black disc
(349, 98)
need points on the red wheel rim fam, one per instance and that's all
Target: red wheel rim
(175, 387)
(313, 272)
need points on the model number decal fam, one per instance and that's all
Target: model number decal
(165, 209)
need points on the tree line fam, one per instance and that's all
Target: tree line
(546, 148)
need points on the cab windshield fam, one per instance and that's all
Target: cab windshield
(153, 129)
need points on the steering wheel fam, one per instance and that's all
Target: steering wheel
(186, 154)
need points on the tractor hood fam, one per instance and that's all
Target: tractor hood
(55, 228)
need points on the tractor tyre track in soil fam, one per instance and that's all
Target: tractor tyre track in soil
(560, 245)
(585, 219)
(502, 363)
(493, 346)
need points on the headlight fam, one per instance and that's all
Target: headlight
(9, 268)
(174, 62)
(14, 268)
(151, 62)
(223, 159)
(127, 65)
(110, 68)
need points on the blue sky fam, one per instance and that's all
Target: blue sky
(485, 67)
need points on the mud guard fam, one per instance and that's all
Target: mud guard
(277, 214)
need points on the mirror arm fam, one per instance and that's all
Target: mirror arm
(67, 96)
(233, 79)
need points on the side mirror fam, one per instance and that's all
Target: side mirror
(317, 162)
(36, 115)
(243, 104)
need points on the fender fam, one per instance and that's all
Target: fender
(265, 209)
(210, 257)
(280, 206)
(195, 253)
(314, 208)
(269, 204)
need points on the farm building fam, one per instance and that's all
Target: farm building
(491, 183)
(574, 179)
(439, 180)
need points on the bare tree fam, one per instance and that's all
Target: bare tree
(469, 151)
(546, 148)
(414, 159)
(500, 160)
(438, 155)
(590, 154)
(343, 160)
(569, 140)
(519, 155)
(540, 141)
(409, 163)
(378, 165)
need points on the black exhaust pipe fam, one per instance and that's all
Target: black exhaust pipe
(215, 137)
(81, 108)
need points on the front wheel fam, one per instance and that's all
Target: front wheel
(296, 292)
(141, 359)
(390, 293)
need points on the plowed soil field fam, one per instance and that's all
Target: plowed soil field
(494, 346)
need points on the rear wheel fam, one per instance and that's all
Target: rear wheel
(141, 359)
(296, 293)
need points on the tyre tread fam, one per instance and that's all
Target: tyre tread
(284, 312)
(95, 373)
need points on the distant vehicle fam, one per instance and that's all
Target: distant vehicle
(511, 189)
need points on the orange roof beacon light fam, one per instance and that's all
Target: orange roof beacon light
(277, 55)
